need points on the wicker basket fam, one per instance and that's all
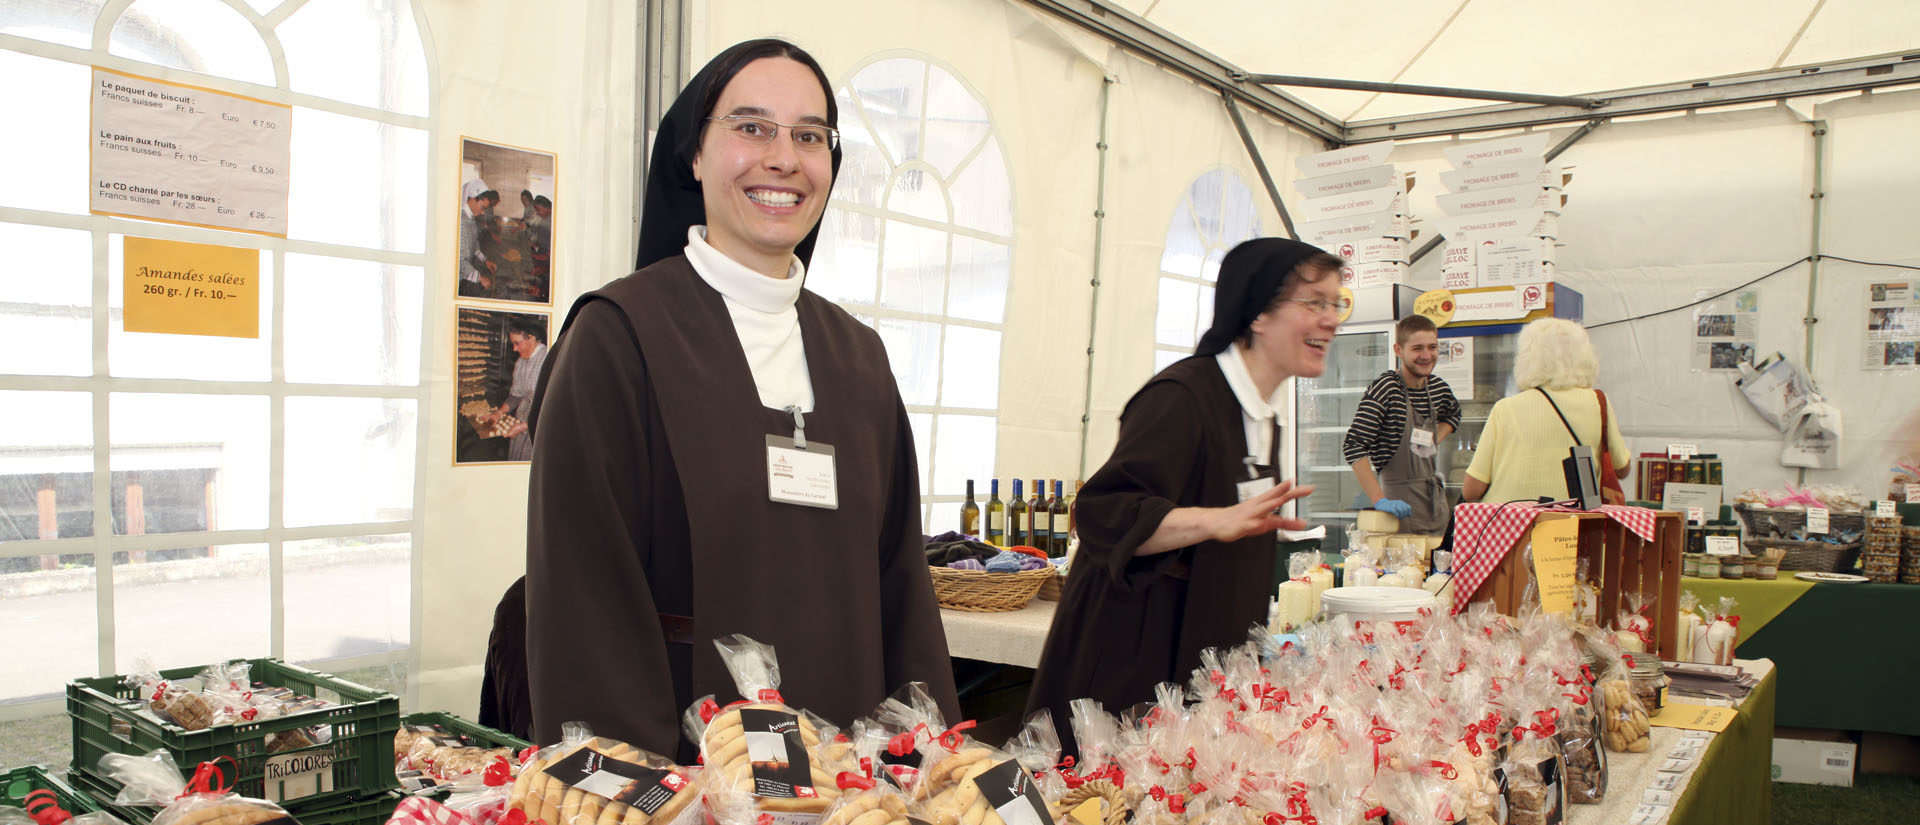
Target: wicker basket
(1817, 556)
(1771, 523)
(1051, 590)
(1113, 805)
(981, 592)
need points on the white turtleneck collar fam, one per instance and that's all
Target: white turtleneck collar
(764, 319)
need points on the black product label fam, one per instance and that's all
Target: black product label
(777, 753)
(637, 785)
(1500, 799)
(1556, 790)
(1010, 790)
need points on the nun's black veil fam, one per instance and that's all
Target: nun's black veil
(1251, 276)
(673, 201)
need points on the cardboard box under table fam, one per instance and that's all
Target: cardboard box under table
(1622, 560)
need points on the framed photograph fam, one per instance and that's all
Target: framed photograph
(497, 359)
(505, 249)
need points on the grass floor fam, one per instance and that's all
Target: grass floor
(1873, 799)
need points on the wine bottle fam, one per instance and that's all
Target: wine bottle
(1073, 509)
(996, 515)
(970, 514)
(1040, 522)
(1062, 523)
(1017, 518)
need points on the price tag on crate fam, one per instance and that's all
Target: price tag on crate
(1682, 451)
(1816, 521)
(1884, 508)
(1723, 546)
(1696, 515)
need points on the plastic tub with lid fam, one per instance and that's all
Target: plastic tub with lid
(1377, 604)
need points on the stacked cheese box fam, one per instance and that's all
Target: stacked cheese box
(1356, 207)
(1501, 212)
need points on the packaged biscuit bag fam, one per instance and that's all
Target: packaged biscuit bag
(589, 780)
(204, 799)
(761, 755)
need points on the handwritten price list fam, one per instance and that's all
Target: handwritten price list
(188, 155)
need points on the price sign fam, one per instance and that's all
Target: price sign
(1682, 451)
(1696, 515)
(1723, 546)
(1816, 521)
(1913, 494)
(1884, 508)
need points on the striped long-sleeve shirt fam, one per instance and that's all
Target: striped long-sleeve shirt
(1381, 421)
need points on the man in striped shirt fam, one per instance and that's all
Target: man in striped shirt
(1397, 430)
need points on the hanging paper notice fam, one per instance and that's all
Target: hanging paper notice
(1893, 326)
(185, 154)
(1555, 546)
(1724, 336)
(191, 288)
(1455, 365)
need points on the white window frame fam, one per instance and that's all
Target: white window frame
(101, 385)
(1210, 246)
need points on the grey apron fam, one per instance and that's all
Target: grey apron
(1411, 477)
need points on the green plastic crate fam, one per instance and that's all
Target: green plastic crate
(482, 736)
(16, 784)
(109, 717)
(373, 810)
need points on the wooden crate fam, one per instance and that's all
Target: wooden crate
(1623, 563)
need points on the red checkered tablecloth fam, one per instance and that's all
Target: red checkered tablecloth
(1484, 532)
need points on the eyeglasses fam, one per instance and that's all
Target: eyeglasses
(761, 131)
(1321, 306)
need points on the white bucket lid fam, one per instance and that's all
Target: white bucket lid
(1377, 601)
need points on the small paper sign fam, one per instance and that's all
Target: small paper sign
(1696, 515)
(1682, 451)
(1816, 521)
(1723, 546)
(1689, 716)
(1884, 509)
(1556, 545)
(1436, 304)
(1913, 494)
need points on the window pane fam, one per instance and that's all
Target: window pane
(977, 288)
(964, 450)
(1184, 250)
(184, 463)
(970, 369)
(863, 167)
(981, 196)
(915, 279)
(349, 460)
(913, 350)
(922, 424)
(890, 92)
(46, 298)
(60, 101)
(352, 322)
(1207, 196)
(52, 627)
(68, 22)
(1239, 220)
(847, 258)
(172, 586)
(204, 36)
(916, 191)
(1203, 312)
(199, 357)
(317, 35)
(1164, 358)
(956, 122)
(1173, 319)
(357, 182)
(348, 596)
(946, 516)
(46, 467)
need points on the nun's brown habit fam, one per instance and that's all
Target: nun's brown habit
(1126, 624)
(650, 531)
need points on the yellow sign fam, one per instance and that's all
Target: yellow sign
(1556, 544)
(1689, 716)
(191, 288)
(1346, 304)
(1436, 304)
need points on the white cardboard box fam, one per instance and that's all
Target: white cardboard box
(1528, 146)
(1525, 196)
(1390, 198)
(1514, 173)
(1382, 273)
(1828, 760)
(1335, 231)
(1458, 269)
(1372, 177)
(1516, 223)
(1342, 160)
(1371, 250)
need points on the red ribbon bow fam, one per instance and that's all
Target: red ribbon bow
(951, 738)
(209, 779)
(903, 743)
(848, 779)
(1197, 788)
(770, 696)
(1176, 804)
(45, 808)
(159, 690)
(514, 817)
(1317, 716)
(498, 772)
(708, 710)
(1447, 771)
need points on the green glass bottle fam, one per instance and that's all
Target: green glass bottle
(1062, 523)
(1039, 520)
(1017, 519)
(970, 514)
(996, 515)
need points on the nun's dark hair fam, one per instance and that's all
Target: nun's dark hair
(736, 59)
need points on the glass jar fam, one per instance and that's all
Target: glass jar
(1690, 564)
(1752, 565)
(1709, 567)
(1732, 568)
(1648, 678)
(1766, 572)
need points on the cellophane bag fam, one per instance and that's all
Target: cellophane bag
(153, 780)
(761, 754)
(589, 780)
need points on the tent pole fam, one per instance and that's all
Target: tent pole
(1819, 196)
(1429, 91)
(1434, 242)
(1093, 302)
(1259, 164)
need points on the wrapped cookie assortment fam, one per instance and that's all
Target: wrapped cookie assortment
(440, 755)
(589, 780)
(204, 799)
(224, 694)
(761, 755)
(970, 783)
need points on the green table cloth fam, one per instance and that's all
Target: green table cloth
(1735, 777)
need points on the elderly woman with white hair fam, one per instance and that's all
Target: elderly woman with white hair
(1518, 458)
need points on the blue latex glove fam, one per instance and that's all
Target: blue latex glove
(1393, 507)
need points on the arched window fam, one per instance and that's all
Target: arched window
(1216, 213)
(176, 500)
(917, 242)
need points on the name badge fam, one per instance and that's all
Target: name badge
(1422, 442)
(1249, 489)
(802, 475)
